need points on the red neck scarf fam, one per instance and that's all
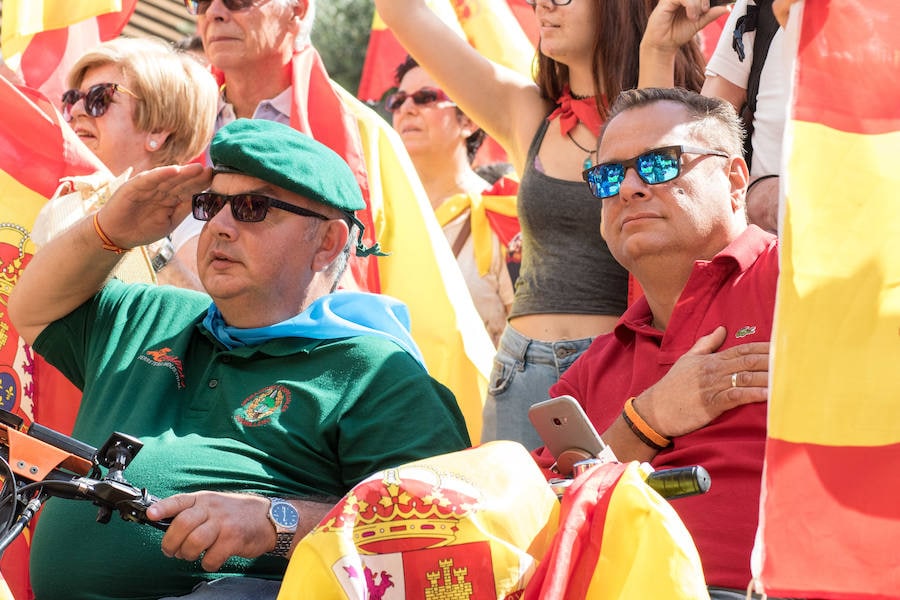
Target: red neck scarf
(572, 111)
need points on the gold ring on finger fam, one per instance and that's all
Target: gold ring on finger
(734, 382)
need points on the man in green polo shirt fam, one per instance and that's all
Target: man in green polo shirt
(263, 406)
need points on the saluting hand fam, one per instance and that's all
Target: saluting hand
(151, 204)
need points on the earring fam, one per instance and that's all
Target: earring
(154, 144)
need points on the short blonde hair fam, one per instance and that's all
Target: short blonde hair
(175, 92)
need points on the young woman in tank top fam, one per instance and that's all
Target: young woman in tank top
(570, 289)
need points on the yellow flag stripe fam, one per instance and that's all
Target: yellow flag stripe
(837, 332)
(422, 272)
(19, 206)
(643, 534)
(492, 28)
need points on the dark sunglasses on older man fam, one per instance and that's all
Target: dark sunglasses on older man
(654, 166)
(96, 100)
(199, 7)
(422, 97)
(249, 208)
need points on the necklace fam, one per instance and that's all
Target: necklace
(588, 160)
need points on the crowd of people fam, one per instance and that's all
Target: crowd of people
(263, 383)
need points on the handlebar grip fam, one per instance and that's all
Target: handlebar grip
(679, 482)
(63, 442)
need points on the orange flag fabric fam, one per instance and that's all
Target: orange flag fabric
(830, 519)
(471, 524)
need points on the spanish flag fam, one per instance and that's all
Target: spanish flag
(471, 524)
(489, 25)
(384, 54)
(618, 540)
(830, 517)
(42, 39)
(36, 150)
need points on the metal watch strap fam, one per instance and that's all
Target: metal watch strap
(283, 543)
(283, 539)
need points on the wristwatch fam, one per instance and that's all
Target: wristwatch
(160, 253)
(285, 517)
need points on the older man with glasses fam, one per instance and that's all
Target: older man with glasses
(257, 410)
(683, 378)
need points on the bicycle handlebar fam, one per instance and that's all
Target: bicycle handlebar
(54, 464)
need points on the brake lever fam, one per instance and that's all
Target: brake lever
(131, 502)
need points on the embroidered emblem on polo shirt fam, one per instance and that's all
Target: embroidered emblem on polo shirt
(164, 358)
(259, 408)
(745, 331)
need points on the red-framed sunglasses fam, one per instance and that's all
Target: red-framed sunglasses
(422, 97)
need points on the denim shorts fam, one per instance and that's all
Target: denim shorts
(233, 588)
(524, 369)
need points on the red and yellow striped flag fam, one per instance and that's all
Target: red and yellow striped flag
(470, 525)
(618, 540)
(489, 25)
(830, 518)
(36, 150)
(384, 54)
(42, 39)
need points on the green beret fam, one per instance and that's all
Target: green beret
(283, 156)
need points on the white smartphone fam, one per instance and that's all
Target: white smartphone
(567, 432)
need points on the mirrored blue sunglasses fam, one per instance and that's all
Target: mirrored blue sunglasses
(654, 166)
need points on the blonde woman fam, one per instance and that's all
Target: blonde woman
(138, 104)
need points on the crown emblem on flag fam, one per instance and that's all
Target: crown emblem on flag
(11, 266)
(400, 511)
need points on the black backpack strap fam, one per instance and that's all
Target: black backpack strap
(760, 19)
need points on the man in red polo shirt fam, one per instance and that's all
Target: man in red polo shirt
(683, 379)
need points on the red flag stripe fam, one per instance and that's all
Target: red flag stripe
(840, 481)
(39, 166)
(383, 57)
(852, 91)
(112, 24)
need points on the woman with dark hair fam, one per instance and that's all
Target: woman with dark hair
(442, 142)
(569, 288)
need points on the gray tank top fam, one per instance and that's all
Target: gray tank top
(566, 265)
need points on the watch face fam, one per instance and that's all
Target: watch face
(285, 514)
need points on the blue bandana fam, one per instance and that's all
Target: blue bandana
(339, 315)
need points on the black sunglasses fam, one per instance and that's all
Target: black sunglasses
(199, 7)
(654, 166)
(422, 97)
(248, 208)
(96, 100)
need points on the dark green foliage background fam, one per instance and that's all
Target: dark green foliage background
(341, 35)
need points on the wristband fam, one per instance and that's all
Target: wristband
(642, 429)
(108, 244)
